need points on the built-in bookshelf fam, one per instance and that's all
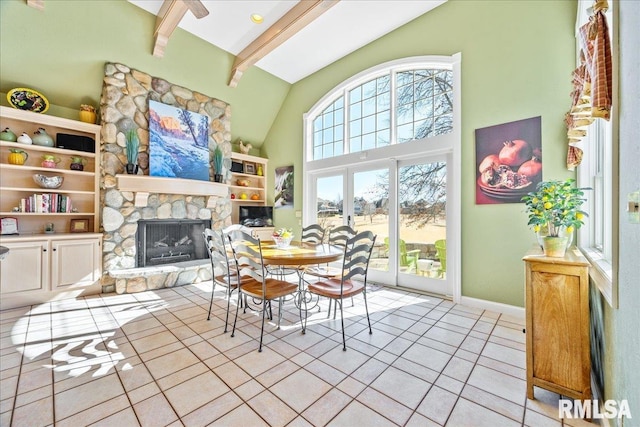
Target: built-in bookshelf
(33, 206)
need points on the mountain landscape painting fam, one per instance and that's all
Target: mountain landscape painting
(178, 142)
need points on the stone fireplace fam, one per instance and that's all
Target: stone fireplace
(128, 199)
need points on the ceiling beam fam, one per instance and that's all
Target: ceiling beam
(36, 4)
(301, 15)
(169, 16)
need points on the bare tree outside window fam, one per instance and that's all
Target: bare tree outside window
(425, 105)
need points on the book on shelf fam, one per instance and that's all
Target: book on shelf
(46, 203)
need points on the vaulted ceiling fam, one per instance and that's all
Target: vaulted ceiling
(295, 39)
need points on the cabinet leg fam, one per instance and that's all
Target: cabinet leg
(530, 392)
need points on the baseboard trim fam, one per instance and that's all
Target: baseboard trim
(499, 307)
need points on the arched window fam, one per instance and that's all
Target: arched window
(382, 152)
(391, 104)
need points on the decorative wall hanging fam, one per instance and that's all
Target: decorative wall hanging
(178, 142)
(592, 94)
(508, 161)
(284, 188)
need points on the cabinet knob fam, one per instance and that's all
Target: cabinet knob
(524, 331)
(44, 250)
(55, 249)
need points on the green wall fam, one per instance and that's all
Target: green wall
(61, 52)
(517, 58)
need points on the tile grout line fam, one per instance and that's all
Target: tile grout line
(15, 394)
(397, 357)
(466, 381)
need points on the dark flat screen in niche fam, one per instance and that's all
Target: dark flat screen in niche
(75, 142)
(237, 167)
(256, 216)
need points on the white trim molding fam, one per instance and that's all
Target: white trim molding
(509, 310)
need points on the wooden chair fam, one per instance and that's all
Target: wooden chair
(223, 269)
(247, 252)
(338, 236)
(313, 233)
(355, 264)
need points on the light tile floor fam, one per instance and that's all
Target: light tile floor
(152, 359)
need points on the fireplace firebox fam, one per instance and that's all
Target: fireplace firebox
(168, 241)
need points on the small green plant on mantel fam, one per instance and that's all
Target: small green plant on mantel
(217, 164)
(555, 204)
(133, 145)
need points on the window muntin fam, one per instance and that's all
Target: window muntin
(370, 115)
(424, 103)
(328, 131)
(398, 106)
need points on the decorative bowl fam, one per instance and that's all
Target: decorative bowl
(283, 242)
(48, 181)
(24, 98)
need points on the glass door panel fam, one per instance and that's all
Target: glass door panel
(329, 200)
(371, 212)
(402, 202)
(422, 226)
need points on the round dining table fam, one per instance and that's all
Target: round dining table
(297, 255)
(300, 253)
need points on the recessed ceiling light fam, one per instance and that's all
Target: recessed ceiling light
(257, 18)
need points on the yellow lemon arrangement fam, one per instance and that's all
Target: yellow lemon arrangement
(555, 206)
(283, 237)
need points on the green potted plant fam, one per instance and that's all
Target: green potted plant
(554, 210)
(217, 164)
(133, 145)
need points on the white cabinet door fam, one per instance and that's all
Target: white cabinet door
(75, 263)
(25, 268)
(263, 233)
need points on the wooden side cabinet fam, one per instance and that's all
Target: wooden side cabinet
(557, 324)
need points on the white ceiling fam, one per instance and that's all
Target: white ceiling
(344, 28)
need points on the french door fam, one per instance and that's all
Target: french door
(403, 202)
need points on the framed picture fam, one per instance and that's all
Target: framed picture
(178, 142)
(508, 161)
(9, 225)
(79, 226)
(284, 188)
(249, 167)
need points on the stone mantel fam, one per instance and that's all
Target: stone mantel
(143, 185)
